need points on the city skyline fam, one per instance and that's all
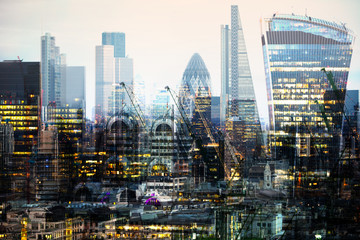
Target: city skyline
(169, 49)
(178, 145)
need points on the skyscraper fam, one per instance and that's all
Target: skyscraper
(237, 100)
(20, 107)
(195, 94)
(112, 68)
(117, 39)
(75, 86)
(301, 98)
(104, 78)
(52, 70)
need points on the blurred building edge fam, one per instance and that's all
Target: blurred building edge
(6, 153)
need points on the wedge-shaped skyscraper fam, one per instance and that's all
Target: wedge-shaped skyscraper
(238, 108)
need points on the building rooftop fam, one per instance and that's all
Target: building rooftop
(334, 25)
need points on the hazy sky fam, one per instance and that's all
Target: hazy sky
(161, 35)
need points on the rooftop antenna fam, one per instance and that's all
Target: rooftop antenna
(306, 12)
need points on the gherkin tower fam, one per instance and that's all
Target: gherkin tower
(195, 93)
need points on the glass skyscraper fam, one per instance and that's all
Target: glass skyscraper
(301, 99)
(238, 105)
(53, 65)
(117, 39)
(104, 79)
(195, 94)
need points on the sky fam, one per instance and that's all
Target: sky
(161, 35)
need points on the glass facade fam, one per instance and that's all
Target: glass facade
(195, 94)
(19, 106)
(238, 101)
(53, 71)
(117, 39)
(104, 79)
(295, 50)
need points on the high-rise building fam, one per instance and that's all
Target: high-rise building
(112, 68)
(104, 78)
(237, 99)
(303, 102)
(52, 70)
(75, 86)
(117, 39)
(69, 122)
(195, 94)
(20, 107)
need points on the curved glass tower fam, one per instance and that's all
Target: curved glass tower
(195, 94)
(303, 109)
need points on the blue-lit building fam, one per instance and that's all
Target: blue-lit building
(117, 39)
(300, 97)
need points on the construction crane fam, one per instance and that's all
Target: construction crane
(182, 113)
(227, 143)
(134, 103)
(233, 153)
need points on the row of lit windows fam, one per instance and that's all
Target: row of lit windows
(300, 119)
(27, 107)
(21, 118)
(59, 121)
(297, 102)
(293, 80)
(295, 90)
(298, 86)
(294, 113)
(294, 63)
(21, 123)
(65, 115)
(4, 113)
(294, 97)
(304, 69)
(65, 110)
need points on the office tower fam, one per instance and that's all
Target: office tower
(69, 122)
(52, 70)
(112, 68)
(20, 107)
(75, 86)
(117, 39)
(237, 100)
(104, 79)
(195, 94)
(225, 72)
(300, 95)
